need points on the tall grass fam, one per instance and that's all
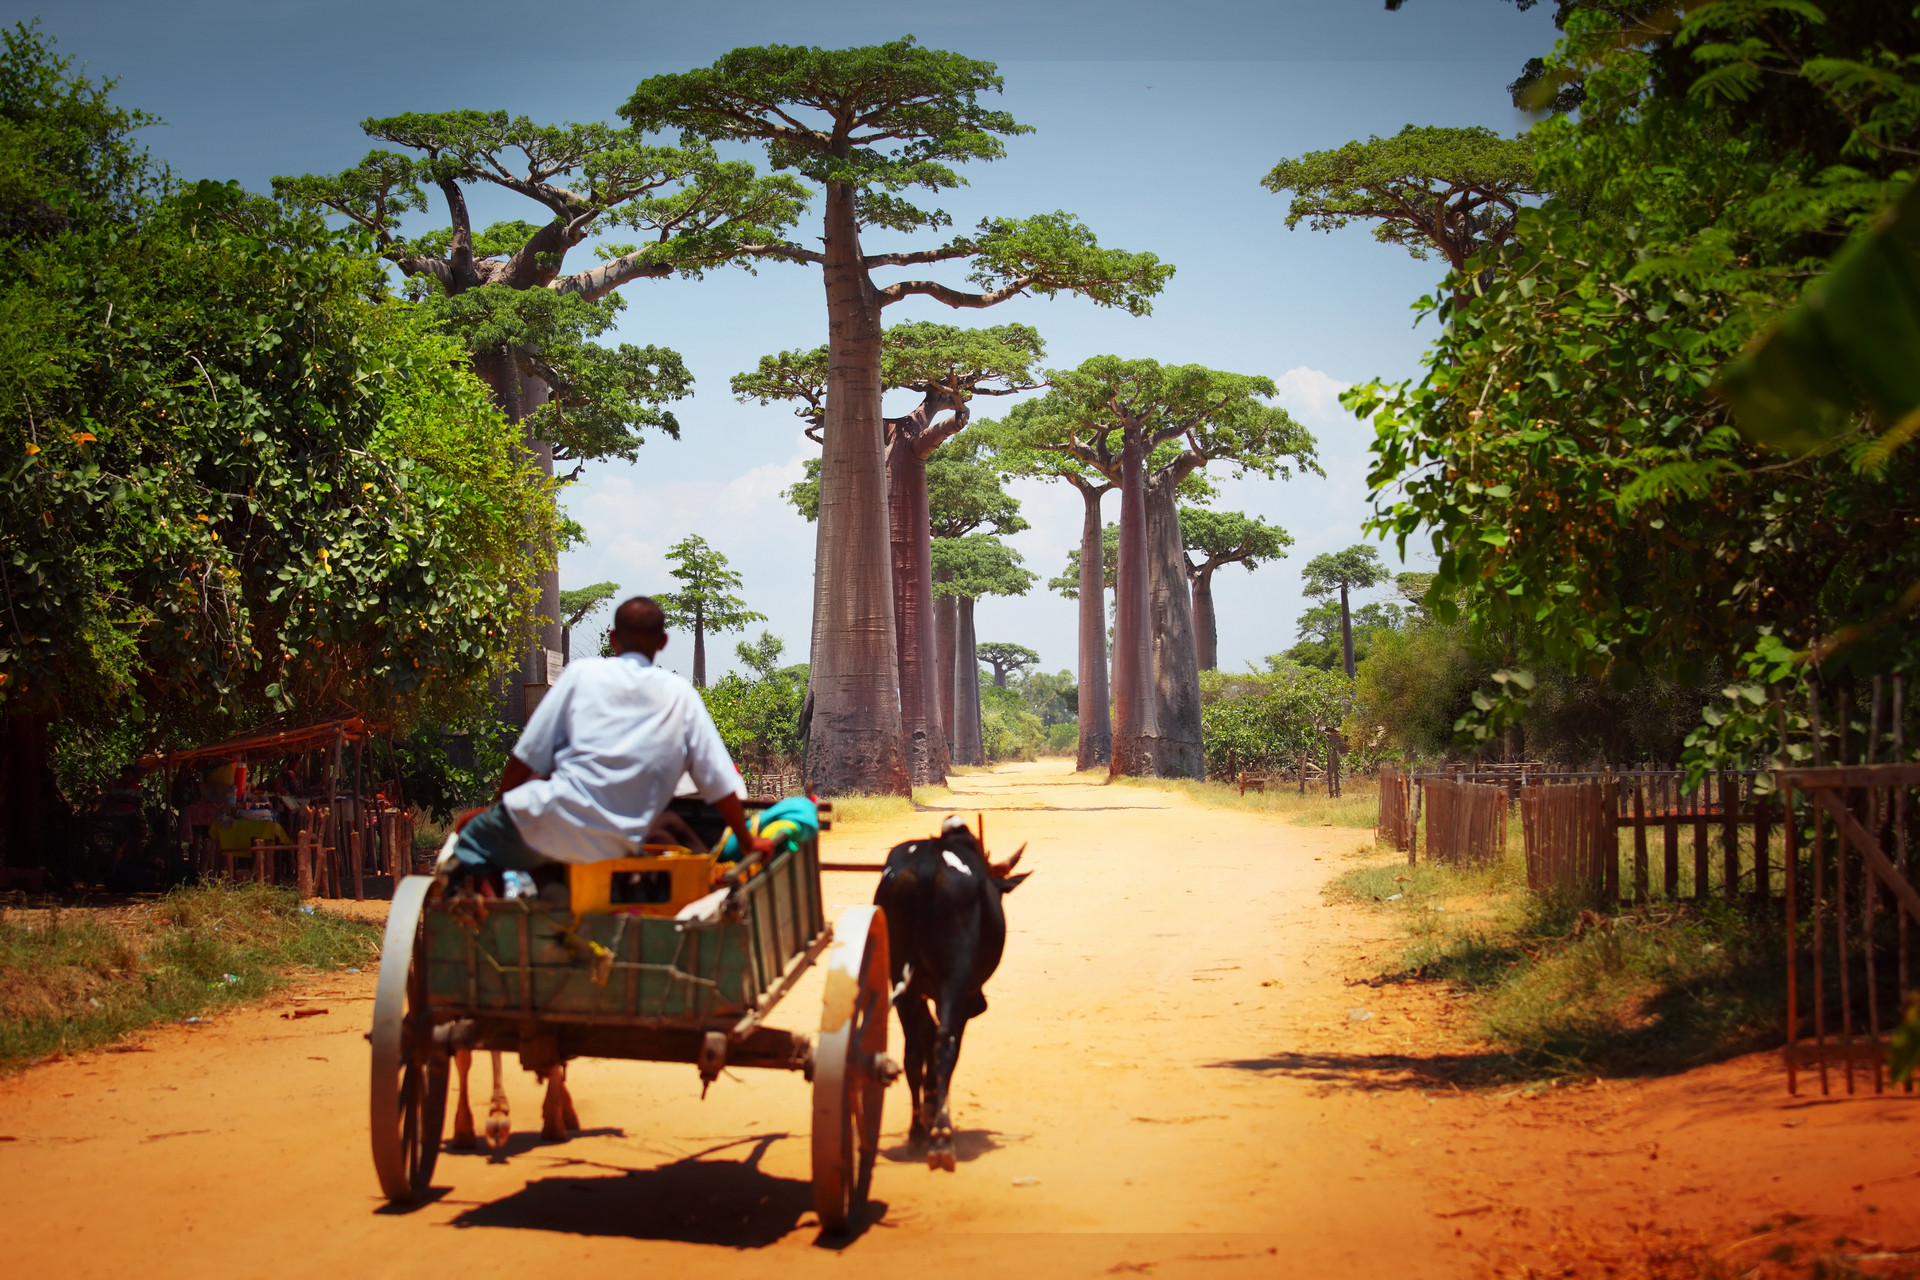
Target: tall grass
(77, 979)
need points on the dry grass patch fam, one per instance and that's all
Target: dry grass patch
(78, 978)
(1358, 806)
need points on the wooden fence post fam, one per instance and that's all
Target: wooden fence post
(303, 863)
(356, 866)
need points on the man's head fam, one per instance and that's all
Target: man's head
(639, 626)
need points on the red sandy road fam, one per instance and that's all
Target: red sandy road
(1135, 1098)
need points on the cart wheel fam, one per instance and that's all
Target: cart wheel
(409, 1096)
(849, 1077)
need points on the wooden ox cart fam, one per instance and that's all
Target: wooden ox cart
(521, 974)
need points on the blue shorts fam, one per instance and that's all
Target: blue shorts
(490, 839)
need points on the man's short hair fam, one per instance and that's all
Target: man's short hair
(640, 618)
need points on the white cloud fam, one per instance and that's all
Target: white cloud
(1311, 394)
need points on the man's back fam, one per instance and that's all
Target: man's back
(613, 737)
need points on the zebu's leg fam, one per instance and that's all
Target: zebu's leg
(916, 1023)
(557, 1117)
(499, 1124)
(464, 1138)
(952, 1009)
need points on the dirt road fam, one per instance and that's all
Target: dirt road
(1177, 1075)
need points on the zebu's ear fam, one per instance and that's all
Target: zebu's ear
(1009, 883)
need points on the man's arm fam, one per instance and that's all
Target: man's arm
(516, 772)
(736, 816)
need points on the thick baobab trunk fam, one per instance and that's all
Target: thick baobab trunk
(966, 689)
(1096, 716)
(1179, 752)
(946, 624)
(853, 746)
(1346, 632)
(517, 395)
(910, 532)
(1135, 724)
(1206, 626)
(699, 648)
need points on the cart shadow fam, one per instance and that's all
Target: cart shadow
(968, 1145)
(696, 1200)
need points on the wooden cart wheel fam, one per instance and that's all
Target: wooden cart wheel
(849, 1075)
(409, 1095)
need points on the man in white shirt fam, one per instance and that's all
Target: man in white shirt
(600, 757)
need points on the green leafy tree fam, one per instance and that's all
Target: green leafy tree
(867, 126)
(1322, 636)
(1005, 659)
(1149, 429)
(947, 366)
(705, 601)
(1578, 477)
(1426, 189)
(972, 566)
(577, 606)
(240, 480)
(1223, 538)
(505, 290)
(758, 711)
(1358, 568)
(1068, 583)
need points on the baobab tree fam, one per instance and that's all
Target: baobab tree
(504, 291)
(1005, 659)
(947, 366)
(1147, 428)
(578, 605)
(965, 495)
(1089, 586)
(705, 601)
(867, 125)
(1455, 191)
(976, 565)
(1223, 538)
(1338, 573)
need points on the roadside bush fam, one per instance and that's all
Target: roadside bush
(1009, 730)
(1265, 721)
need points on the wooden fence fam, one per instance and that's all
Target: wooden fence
(1396, 825)
(1862, 907)
(1568, 833)
(1466, 822)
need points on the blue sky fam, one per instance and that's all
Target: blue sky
(1154, 123)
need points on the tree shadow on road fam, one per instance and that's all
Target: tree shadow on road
(696, 1200)
(1377, 1071)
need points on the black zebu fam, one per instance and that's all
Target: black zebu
(947, 930)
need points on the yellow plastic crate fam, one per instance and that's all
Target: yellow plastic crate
(661, 882)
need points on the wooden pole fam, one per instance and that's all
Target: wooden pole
(303, 863)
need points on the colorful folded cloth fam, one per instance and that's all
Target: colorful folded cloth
(786, 823)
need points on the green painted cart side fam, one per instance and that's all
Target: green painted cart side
(531, 960)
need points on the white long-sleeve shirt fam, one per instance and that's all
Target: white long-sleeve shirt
(613, 736)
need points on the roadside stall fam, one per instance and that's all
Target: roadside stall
(313, 805)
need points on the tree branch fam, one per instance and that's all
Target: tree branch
(951, 296)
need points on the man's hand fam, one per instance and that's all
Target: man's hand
(736, 815)
(516, 772)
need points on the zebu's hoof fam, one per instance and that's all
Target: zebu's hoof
(940, 1155)
(499, 1129)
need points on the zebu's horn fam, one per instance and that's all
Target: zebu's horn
(1004, 869)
